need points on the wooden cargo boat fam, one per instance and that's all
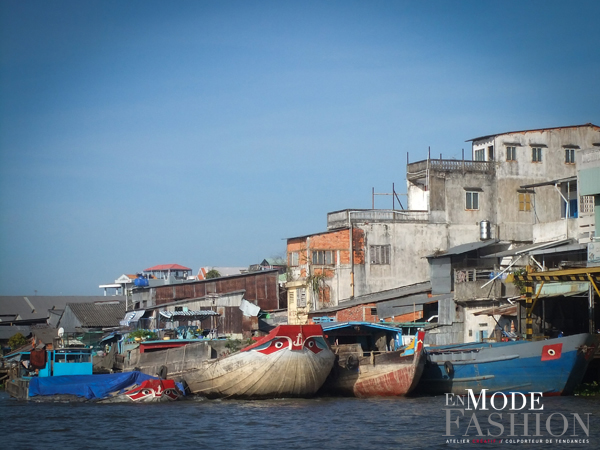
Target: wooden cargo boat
(292, 361)
(361, 372)
(552, 366)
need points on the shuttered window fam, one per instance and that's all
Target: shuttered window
(524, 202)
(379, 254)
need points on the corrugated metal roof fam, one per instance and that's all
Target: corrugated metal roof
(463, 248)
(99, 314)
(39, 306)
(530, 248)
(549, 183)
(379, 296)
(195, 314)
(6, 332)
(528, 131)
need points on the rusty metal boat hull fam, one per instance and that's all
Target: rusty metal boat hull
(384, 375)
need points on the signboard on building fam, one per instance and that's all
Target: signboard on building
(594, 253)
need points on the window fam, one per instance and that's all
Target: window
(379, 254)
(291, 296)
(536, 154)
(570, 156)
(524, 202)
(491, 153)
(322, 257)
(480, 155)
(586, 203)
(511, 153)
(293, 258)
(301, 297)
(472, 200)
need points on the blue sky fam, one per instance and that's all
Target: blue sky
(205, 133)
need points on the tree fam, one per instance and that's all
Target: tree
(16, 341)
(212, 273)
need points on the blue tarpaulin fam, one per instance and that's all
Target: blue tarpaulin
(92, 387)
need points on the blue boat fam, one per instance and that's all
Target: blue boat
(553, 366)
(65, 374)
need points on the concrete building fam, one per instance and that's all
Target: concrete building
(515, 185)
(588, 163)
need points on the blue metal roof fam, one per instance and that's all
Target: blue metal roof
(339, 325)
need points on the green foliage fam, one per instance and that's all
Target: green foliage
(143, 334)
(316, 281)
(588, 389)
(212, 273)
(234, 345)
(518, 283)
(17, 340)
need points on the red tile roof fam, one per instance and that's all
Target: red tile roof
(166, 267)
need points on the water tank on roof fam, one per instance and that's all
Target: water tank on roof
(485, 230)
(140, 282)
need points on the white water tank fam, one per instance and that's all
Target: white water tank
(485, 230)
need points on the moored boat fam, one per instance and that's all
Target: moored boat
(361, 372)
(291, 361)
(128, 387)
(66, 375)
(553, 366)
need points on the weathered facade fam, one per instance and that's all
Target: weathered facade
(524, 159)
(222, 295)
(518, 187)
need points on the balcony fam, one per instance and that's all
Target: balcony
(343, 219)
(417, 170)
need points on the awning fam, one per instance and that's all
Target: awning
(200, 315)
(463, 248)
(132, 316)
(505, 310)
(532, 249)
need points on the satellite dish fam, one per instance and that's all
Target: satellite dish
(61, 331)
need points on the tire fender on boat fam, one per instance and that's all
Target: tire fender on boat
(351, 362)
(449, 368)
(162, 372)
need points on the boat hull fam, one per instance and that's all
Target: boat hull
(133, 387)
(384, 375)
(553, 367)
(293, 361)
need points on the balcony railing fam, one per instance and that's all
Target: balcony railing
(342, 219)
(417, 169)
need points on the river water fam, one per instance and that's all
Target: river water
(320, 423)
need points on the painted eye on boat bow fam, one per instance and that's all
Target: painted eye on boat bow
(315, 344)
(273, 346)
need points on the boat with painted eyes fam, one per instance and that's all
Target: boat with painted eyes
(291, 361)
(65, 375)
